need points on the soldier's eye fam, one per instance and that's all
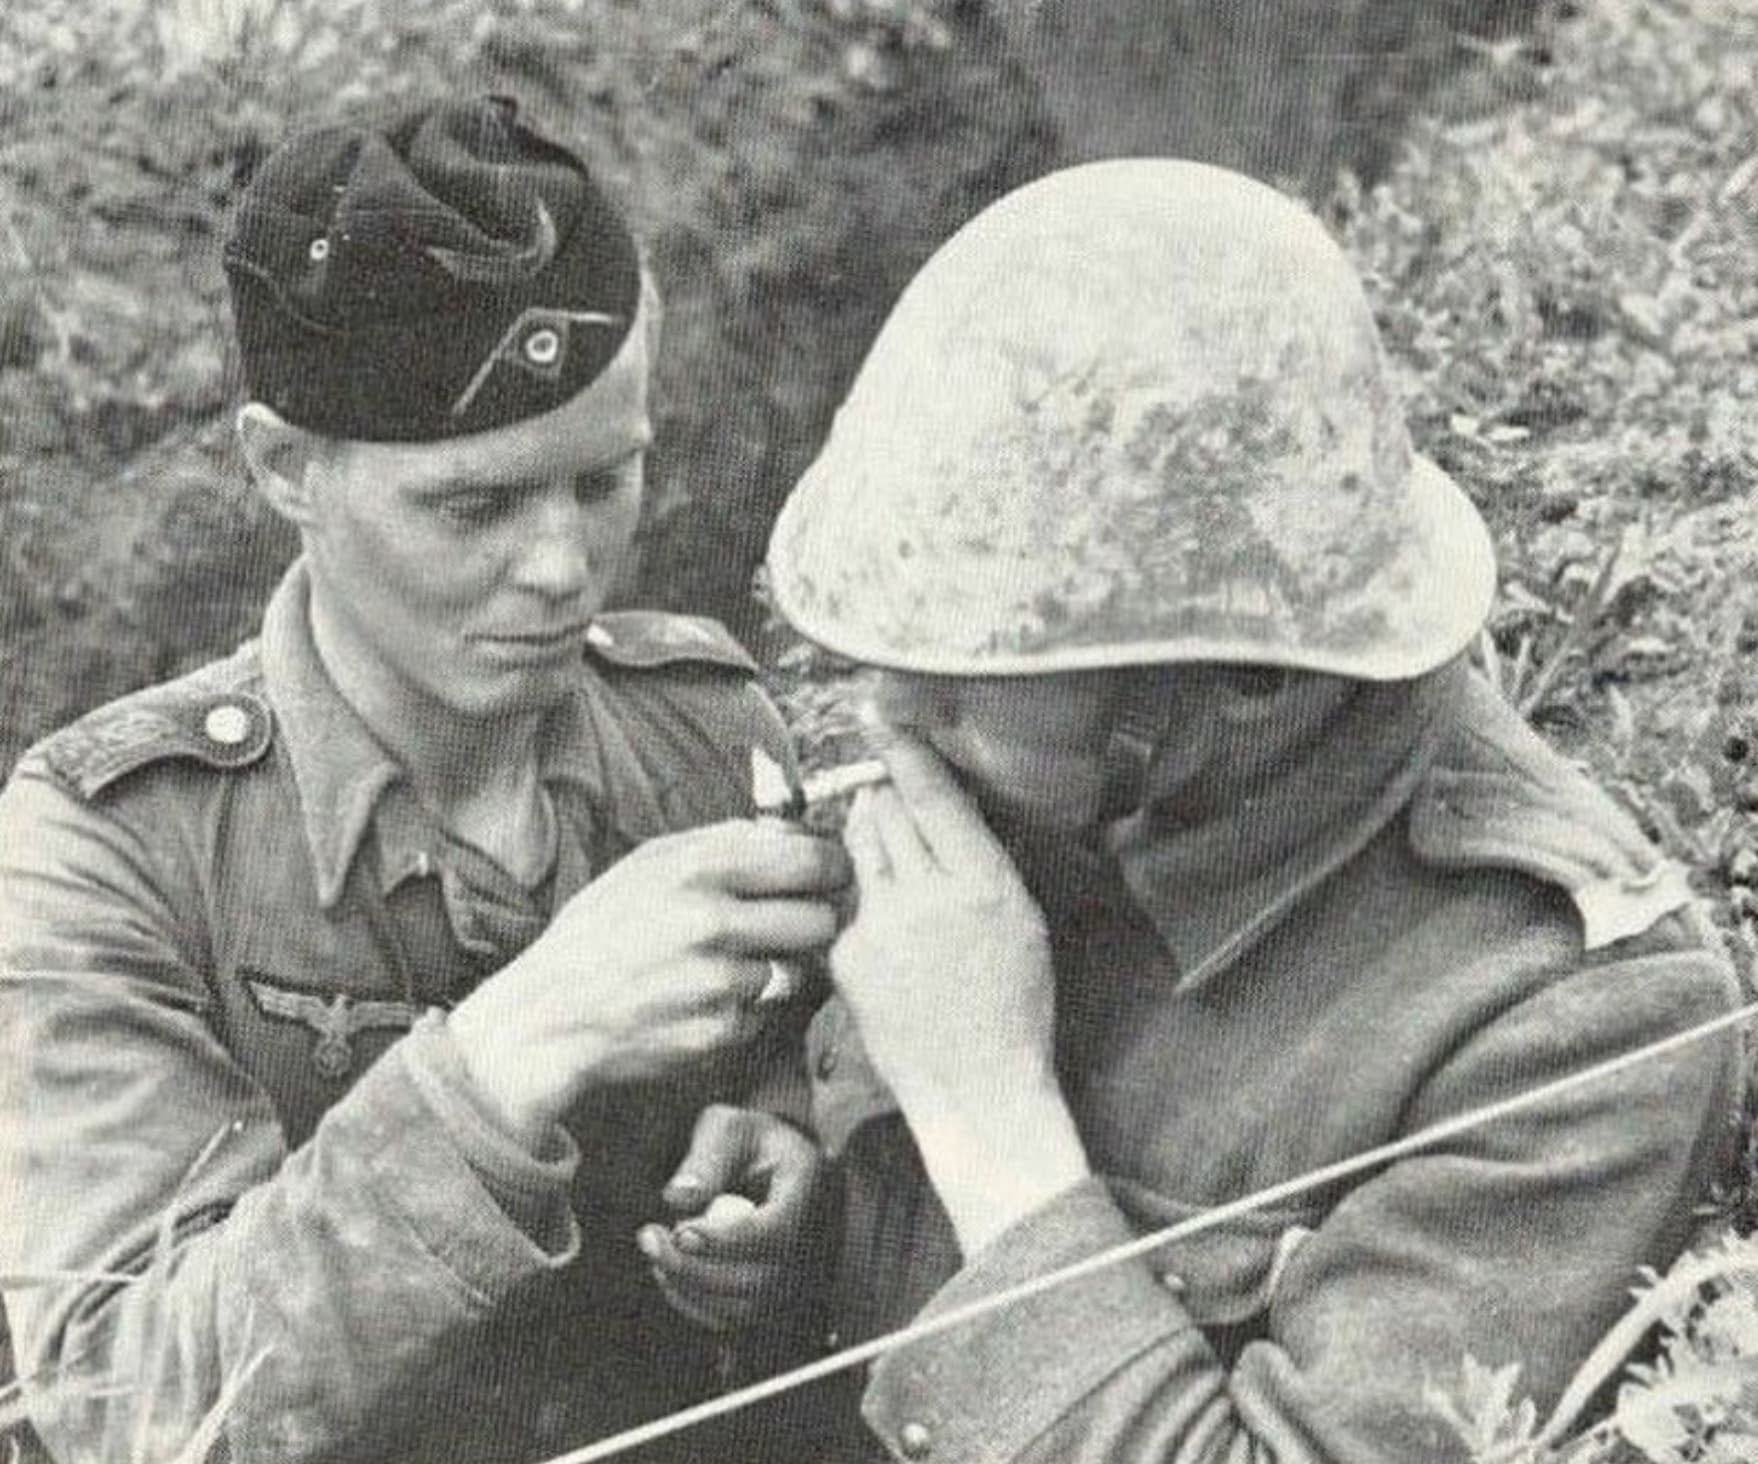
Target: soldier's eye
(589, 487)
(471, 508)
(603, 482)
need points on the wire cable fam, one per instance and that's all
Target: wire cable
(1312, 1179)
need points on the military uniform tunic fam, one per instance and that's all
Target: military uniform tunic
(1352, 958)
(228, 935)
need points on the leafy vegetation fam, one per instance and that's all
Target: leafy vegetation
(788, 164)
(1569, 287)
(1695, 1402)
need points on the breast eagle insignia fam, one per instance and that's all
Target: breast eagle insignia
(335, 1018)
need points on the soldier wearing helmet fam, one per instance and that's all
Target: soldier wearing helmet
(1206, 861)
(382, 1003)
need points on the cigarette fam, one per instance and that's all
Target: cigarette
(821, 787)
(777, 797)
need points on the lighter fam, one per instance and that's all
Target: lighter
(790, 800)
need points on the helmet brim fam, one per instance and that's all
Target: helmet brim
(1445, 576)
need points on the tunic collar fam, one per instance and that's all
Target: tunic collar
(1215, 885)
(343, 772)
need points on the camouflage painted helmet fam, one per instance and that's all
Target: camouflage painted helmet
(1135, 412)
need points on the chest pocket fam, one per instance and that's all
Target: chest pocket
(1225, 1277)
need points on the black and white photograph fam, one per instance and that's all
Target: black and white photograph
(823, 731)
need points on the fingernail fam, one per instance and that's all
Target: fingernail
(691, 1241)
(687, 1187)
(647, 1241)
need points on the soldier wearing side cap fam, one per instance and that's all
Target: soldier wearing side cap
(1207, 862)
(382, 1001)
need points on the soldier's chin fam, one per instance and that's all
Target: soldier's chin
(511, 691)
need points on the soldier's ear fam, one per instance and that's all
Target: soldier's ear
(278, 455)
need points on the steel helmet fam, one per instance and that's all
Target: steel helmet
(1134, 412)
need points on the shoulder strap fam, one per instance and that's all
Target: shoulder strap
(645, 639)
(205, 717)
(1505, 798)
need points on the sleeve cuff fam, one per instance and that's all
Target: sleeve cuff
(531, 1188)
(985, 1389)
(455, 1179)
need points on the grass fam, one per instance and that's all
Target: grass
(139, 1359)
(1568, 288)
(1694, 1401)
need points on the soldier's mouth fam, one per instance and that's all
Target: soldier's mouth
(535, 645)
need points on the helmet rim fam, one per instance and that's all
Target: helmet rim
(1447, 528)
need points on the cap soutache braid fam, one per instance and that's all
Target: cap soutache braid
(444, 273)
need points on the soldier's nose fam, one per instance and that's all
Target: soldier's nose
(558, 559)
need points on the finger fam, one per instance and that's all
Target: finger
(703, 1273)
(723, 1145)
(791, 1166)
(722, 1278)
(905, 850)
(731, 1227)
(761, 857)
(861, 839)
(722, 1282)
(704, 1308)
(691, 1310)
(944, 816)
(718, 1012)
(774, 927)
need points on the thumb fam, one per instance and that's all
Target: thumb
(722, 1149)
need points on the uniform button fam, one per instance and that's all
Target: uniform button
(915, 1441)
(826, 1063)
(227, 724)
